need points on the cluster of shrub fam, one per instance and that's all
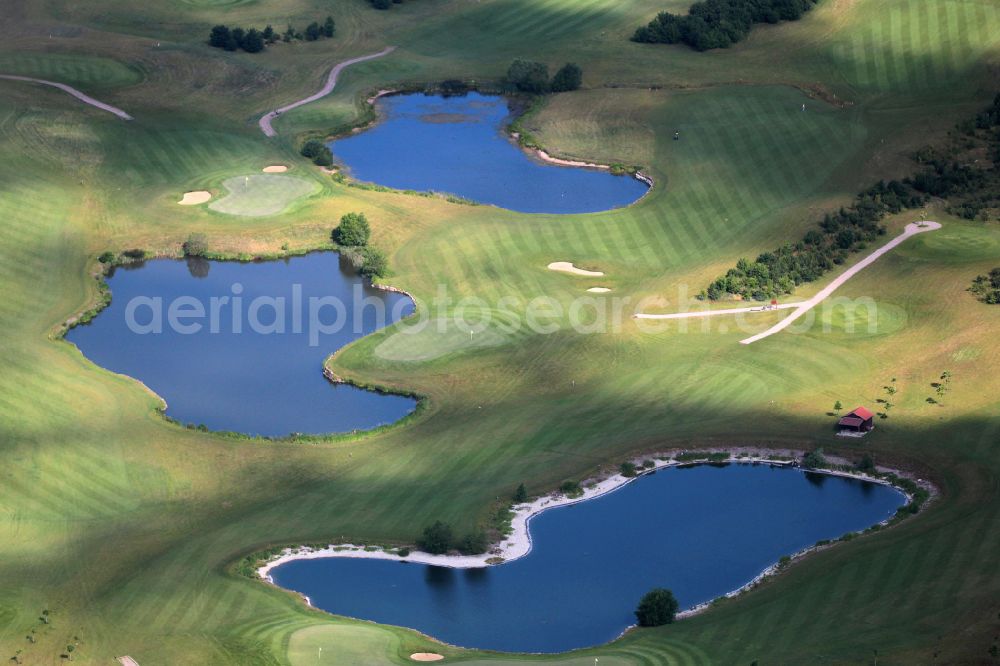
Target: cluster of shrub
(253, 41)
(718, 24)
(438, 539)
(352, 235)
(533, 77)
(848, 230)
(987, 287)
(318, 152)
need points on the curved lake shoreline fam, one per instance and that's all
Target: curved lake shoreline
(461, 145)
(520, 542)
(233, 370)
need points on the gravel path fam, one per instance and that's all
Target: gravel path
(331, 81)
(86, 99)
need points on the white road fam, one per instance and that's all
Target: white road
(331, 82)
(711, 313)
(86, 99)
(803, 307)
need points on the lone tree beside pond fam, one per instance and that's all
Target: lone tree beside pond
(569, 77)
(529, 76)
(318, 152)
(656, 608)
(353, 230)
(533, 77)
(196, 245)
(436, 539)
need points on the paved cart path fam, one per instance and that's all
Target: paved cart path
(83, 97)
(331, 82)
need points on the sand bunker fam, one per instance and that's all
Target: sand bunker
(195, 198)
(568, 267)
(598, 290)
(275, 168)
(426, 656)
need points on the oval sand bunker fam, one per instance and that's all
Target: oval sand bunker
(426, 656)
(195, 198)
(598, 290)
(568, 267)
(275, 168)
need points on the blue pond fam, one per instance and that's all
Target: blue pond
(699, 531)
(457, 145)
(266, 380)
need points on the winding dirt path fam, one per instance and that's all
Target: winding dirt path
(83, 97)
(803, 307)
(331, 81)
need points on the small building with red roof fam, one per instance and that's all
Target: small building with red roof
(860, 420)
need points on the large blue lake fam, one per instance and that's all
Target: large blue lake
(699, 531)
(255, 364)
(457, 145)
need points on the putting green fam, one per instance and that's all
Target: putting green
(262, 194)
(341, 644)
(436, 338)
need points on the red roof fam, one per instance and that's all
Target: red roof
(862, 413)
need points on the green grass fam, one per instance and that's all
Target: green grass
(261, 194)
(124, 525)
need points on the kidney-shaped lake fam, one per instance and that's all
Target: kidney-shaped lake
(700, 531)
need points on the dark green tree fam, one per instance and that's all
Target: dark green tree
(219, 37)
(657, 607)
(353, 230)
(318, 152)
(375, 262)
(436, 539)
(473, 543)
(521, 494)
(268, 34)
(253, 41)
(529, 76)
(196, 245)
(313, 32)
(381, 4)
(814, 459)
(569, 77)
(237, 34)
(329, 26)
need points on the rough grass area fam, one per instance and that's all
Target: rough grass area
(259, 195)
(123, 526)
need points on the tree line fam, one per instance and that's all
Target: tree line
(533, 77)
(967, 170)
(839, 234)
(718, 24)
(957, 174)
(254, 41)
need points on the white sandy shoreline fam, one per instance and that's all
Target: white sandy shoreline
(518, 543)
